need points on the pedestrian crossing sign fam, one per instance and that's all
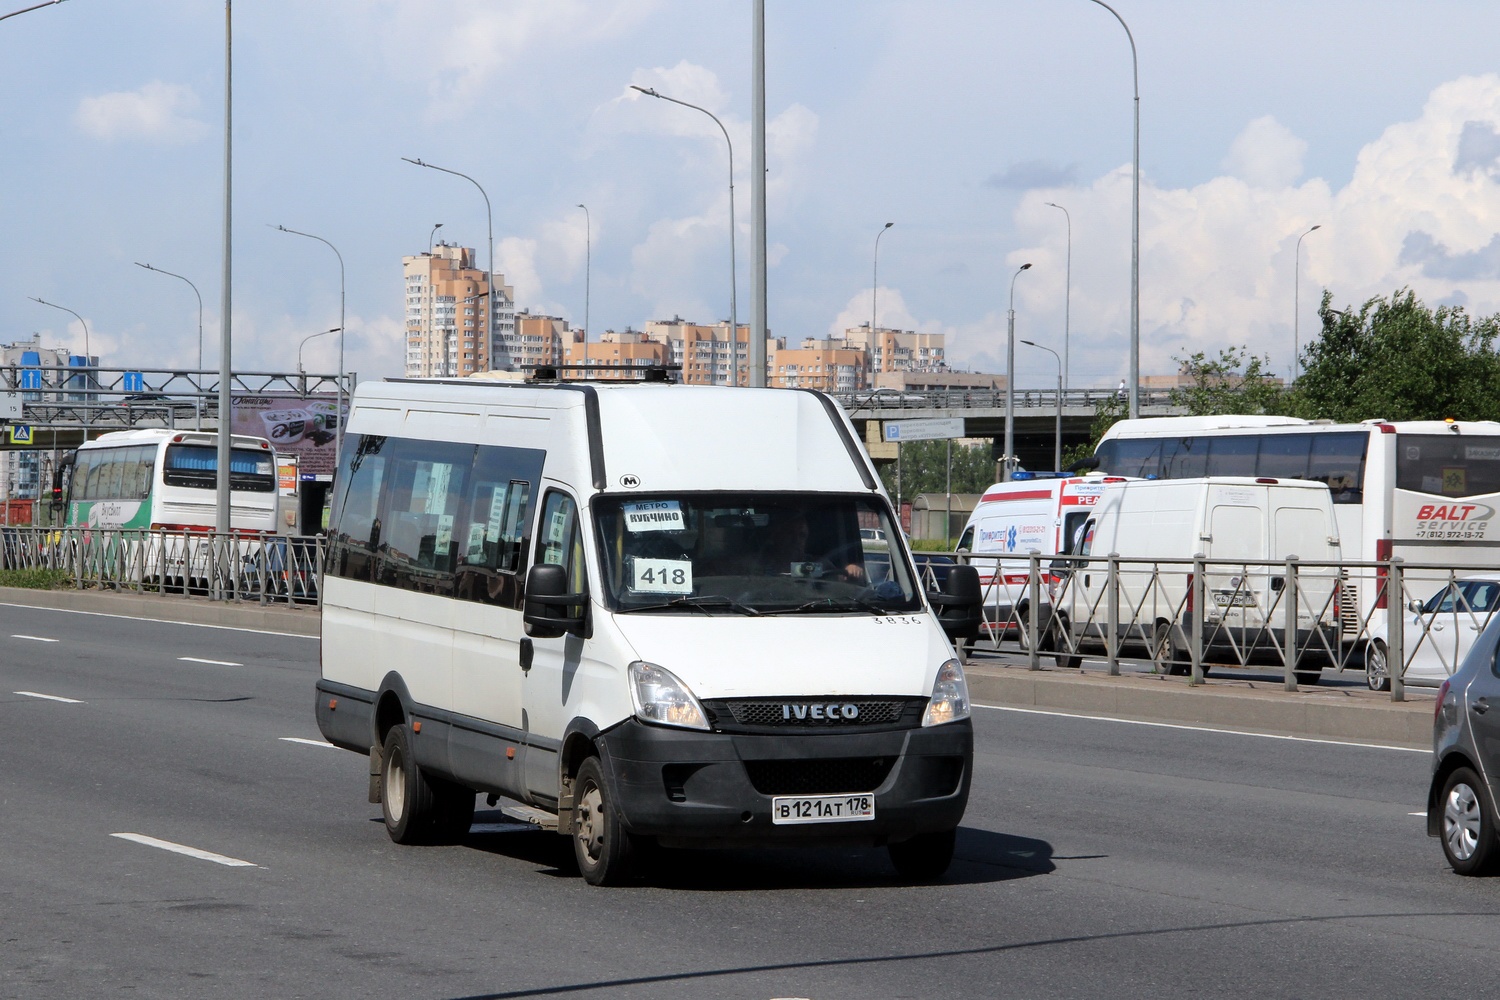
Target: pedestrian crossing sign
(19, 433)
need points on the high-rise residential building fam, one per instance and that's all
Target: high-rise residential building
(830, 365)
(539, 340)
(708, 354)
(450, 329)
(897, 350)
(617, 355)
(21, 471)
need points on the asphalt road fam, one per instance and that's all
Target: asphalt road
(1097, 858)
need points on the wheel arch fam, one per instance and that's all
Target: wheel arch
(580, 742)
(1451, 762)
(391, 701)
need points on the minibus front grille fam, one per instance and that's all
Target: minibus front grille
(816, 713)
(818, 777)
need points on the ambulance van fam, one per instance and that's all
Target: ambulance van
(652, 612)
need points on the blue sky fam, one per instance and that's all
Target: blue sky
(956, 120)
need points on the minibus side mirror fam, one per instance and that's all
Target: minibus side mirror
(545, 612)
(960, 606)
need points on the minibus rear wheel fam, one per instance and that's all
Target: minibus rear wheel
(924, 857)
(603, 848)
(406, 799)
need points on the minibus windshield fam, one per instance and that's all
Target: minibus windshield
(752, 554)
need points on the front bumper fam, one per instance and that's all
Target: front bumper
(691, 788)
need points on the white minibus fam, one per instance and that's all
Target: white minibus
(651, 609)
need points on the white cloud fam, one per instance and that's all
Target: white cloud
(1218, 260)
(157, 111)
(1265, 155)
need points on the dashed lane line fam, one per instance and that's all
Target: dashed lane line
(1203, 729)
(305, 742)
(49, 697)
(34, 638)
(211, 663)
(192, 852)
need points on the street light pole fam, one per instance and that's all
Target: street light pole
(338, 440)
(1135, 226)
(198, 416)
(1297, 304)
(1057, 452)
(588, 266)
(310, 336)
(25, 10)
(734, 330)
(1009, 458)
(1067, 293)
(875, 292)
(489, 222)
(432, 236)
(88, 356)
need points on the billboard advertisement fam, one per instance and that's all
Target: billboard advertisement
(301, 426)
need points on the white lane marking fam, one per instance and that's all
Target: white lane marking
(311, 743)
(49, 697)
(1422, 813)
(159, 621)
(1204, 729)
(212, 663)
(192, 852)
(34, 638)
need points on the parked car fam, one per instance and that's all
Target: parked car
(1466, 761)
(1439, 633)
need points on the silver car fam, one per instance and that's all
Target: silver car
(1466, 761)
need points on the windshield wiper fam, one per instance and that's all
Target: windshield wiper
(837, 604)
(701, 603)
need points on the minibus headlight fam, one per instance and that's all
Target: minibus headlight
(662, 699)
(950, 696)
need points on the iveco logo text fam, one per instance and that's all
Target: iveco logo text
(1455, 512)
(829, 711)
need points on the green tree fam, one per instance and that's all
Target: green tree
(1396, 359)
(924, 469)
(1234, 382)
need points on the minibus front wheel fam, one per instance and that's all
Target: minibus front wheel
(406, 799)
(604, 850)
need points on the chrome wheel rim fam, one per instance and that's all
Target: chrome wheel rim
(1461, 821)
(590, 822)
(1375, 667)
(395, 785)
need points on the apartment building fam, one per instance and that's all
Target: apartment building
(450, 329)
(540, 340)
(617, 356)
(828, 365)
(889, 350)
(708, 353)
(21, 472)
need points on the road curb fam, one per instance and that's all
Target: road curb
(1362, 717)
(190, 610)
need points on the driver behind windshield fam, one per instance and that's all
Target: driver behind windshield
(787, 551)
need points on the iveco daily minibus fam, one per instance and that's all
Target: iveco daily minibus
(649, 609)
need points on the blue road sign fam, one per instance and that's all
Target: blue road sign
(133, 382)
(31, 378)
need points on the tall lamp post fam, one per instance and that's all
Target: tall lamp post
(489, 222)
(1067, 292)
(1135, 226)
(25, 10)
(1057, 452)
(1297, 304)
(734, 329)
(1010, 381)
(198, 416)
(88, 355)
(338, 441)
(310, 336)
(432, 236)
(588, 267)
(875, 287)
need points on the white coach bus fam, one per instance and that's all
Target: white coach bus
(667, 614)
(1427, 491)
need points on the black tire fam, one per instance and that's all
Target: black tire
(925, 857)
(1176, 661)
(604, 851)
(406, 799)
(452, 811)
(1377, 666)
(1064, 659)
(1468, 825)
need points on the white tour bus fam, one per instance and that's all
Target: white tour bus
(1034, 512)
(1427, 491)
(163, 480)
(649, 609)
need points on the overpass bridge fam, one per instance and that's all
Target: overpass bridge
(983, 416)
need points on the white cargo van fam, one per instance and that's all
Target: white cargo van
(656, 611)
(1034, 512)
(1246, 528)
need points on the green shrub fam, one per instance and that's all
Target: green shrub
(36, 579)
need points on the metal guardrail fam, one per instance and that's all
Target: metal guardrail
(232, 566)
(960, 399)
(1188, 616)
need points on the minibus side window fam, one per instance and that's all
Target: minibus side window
(493, 527)
(353, 523)
(425, 487)
(559, 542)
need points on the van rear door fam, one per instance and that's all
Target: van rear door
(1304, 532)
(1235, 594)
